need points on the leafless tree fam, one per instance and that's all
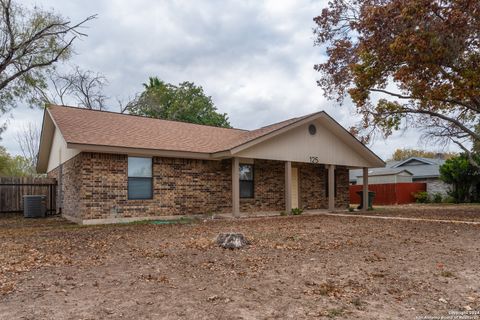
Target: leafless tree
(87, 88)
(124, 105)
(83, 88)
(28, 140)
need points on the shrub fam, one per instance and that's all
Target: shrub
(449, 199)
(421, 197)
(437, 197)
(462, 176)
(297, 211)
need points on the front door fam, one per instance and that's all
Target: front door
(294, 187)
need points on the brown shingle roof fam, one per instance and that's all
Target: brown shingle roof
(82, 126)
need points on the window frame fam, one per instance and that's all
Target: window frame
(150, 197)
(252, 181)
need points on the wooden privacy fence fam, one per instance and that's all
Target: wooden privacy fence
(389, 193)
(12, 190)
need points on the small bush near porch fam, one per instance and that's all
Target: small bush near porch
(296, 267)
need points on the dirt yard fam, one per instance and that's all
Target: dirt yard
(302, 267)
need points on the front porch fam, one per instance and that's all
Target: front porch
(302, 185)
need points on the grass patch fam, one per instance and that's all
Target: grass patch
(296, 211)
(335, 312)
(182, 220)
(357, 302)
(447, 274)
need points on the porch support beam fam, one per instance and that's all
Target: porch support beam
(288, 187)
(365, 189)
(235, 187)
(331, 187)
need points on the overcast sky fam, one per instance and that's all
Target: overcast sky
(255, 58)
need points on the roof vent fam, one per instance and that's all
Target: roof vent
(312, 129)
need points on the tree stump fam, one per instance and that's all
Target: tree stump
(231, 240)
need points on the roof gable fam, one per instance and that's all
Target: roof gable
(329, 145)
(414, 161)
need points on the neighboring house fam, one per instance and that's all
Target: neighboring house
(386, 175)
(426, 170)
(114, 167)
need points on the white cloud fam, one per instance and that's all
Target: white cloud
(255, 58)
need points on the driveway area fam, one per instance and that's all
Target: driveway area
(300, 267)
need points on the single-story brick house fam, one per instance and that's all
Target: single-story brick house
(114, 167)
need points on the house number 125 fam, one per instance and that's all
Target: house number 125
(313, 159)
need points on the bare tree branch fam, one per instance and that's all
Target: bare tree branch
(450, 101)
(31, 66)
(32, 42)
(28, 140)
(468, 153)
(78, 87)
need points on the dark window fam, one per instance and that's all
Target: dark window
(140, 178)
(246, 180)
(334, 183)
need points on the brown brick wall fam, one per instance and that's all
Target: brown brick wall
(343, 194)
(69, 190)
(312, 186)
(269, 187)
(192, 186)
(181, 186)
(95, 186)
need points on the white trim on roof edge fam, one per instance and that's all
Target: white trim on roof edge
(401, 163)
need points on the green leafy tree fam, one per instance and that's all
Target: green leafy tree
(185, 102)
(17, 166)
(32, 41)
(405, 63)
(4, 161)
(476, 144)
(462, 175)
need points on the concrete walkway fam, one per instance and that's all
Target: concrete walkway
(392, 218)
(325, 212)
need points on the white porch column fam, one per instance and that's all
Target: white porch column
(331, 187)
(365, 189)
(288, 187)
(235, 187)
